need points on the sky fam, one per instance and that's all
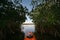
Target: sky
(28, 28)
(27, 3)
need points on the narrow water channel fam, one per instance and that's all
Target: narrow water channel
(28, 25)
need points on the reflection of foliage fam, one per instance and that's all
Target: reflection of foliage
(46, 17)
(11, 17)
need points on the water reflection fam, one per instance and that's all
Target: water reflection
(28, 28)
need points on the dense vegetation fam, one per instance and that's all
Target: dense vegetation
(11, 18)
(46, 17)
